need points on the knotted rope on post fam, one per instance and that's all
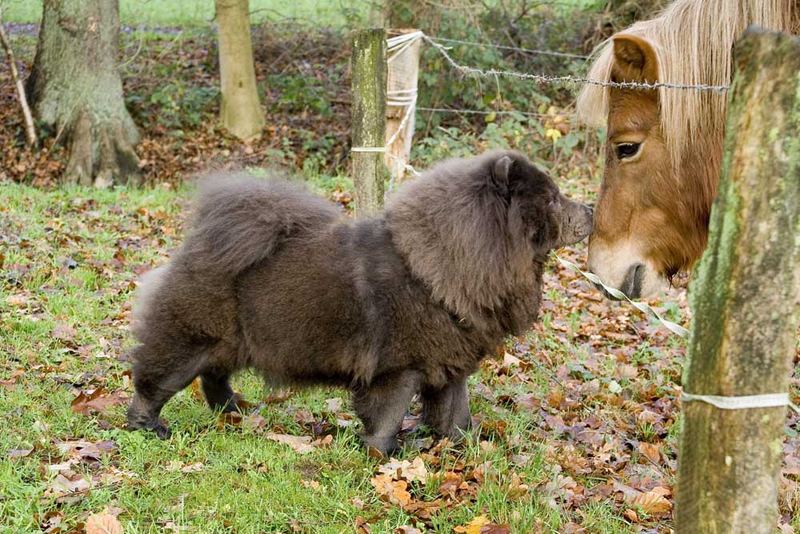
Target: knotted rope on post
(401, 98)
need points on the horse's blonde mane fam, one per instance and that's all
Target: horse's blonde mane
(693, 41)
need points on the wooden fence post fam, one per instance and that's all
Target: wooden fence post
(403, 74)
(746, 301)
(369, 119)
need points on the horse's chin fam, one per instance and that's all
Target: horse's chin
(635, 276)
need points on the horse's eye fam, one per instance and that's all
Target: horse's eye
(627, 150)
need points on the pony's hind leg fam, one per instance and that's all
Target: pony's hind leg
(158, 374)
(218, 391)
(215, 377)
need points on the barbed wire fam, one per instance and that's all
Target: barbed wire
(569, 79)
(505, 47)
(485, 112)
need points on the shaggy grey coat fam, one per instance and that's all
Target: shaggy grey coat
(273, 278)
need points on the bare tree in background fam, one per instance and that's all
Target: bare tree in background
(240, 111)
(76, 91)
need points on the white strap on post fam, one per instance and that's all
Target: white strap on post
(368, 149)
(743, 402)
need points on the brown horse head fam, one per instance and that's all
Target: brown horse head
(650, 222)
(664, 146)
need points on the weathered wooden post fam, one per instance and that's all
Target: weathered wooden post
(746, 301)
(401, 105)
(369, 118)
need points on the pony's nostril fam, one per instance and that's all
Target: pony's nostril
(632, 283)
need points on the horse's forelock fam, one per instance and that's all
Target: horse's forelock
(693, 41)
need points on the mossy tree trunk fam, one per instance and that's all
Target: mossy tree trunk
(76, 91)
(746, 301)
(368, 64)
(240, 111)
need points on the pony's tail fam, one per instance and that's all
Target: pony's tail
(238, 221)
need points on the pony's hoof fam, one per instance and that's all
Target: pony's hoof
(161, 430)
(158, 427)
(378, 446)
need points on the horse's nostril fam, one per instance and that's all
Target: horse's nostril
(632, 284)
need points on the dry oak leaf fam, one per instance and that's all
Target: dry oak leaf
(103, 523)
(362, 527)
(177, 465)
(17, 301)
(653, 502)
(98, 400)
(474, 526)
(193, 468)
(62, 485)
(450, 484)
(392, 491)
(516, 488)
(86, 450)
(631, 515)
(650, 450)
(482, 525)
(253, 422)
(277, 396)
(12, 380)
(51, 521)
(404, 469)
(64, 332)
(300, 444)
(19, 453)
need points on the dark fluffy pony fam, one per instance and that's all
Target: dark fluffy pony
(273, 278)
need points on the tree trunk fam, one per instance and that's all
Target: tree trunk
(368, 64)
(746, 300)
(76, 91)
(241, 111)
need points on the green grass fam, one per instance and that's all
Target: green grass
(247, 483)
(326, 13)
(201, 12)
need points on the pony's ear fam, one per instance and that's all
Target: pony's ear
(501, 171)
(501, 174)
(635, 60)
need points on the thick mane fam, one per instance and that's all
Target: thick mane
(472, 254)
(693, 40)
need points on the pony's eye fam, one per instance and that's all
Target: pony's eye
(627, 150)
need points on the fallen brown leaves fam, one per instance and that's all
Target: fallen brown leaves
(256, 423)
(482, 525)
(399, 482)
(79, 468)
(181, 137)
(97, 401)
